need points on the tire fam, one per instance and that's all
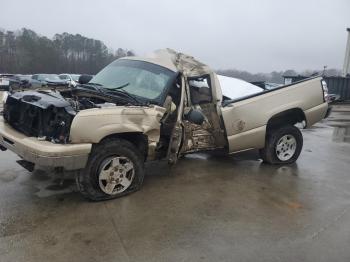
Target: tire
(283, 145)
(108, 173)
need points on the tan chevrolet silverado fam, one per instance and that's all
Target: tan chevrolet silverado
(161, 106)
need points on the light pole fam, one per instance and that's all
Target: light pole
(346, 67)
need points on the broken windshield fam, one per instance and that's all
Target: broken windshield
(138, 78)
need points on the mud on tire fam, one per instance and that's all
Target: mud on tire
(88, 180)
(278, 149)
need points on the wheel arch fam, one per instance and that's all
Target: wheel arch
(138, 139)
(288, 117)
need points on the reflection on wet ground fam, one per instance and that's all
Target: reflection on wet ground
(341, 134)
(209, 207)
(340, 120)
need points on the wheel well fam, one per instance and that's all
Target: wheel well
(139, 140)
(288, 117)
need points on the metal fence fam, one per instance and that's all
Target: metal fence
(339, 85)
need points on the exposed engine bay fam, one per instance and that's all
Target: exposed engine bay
(48, 115)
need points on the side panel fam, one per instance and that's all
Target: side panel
(313, 114)
(254, 138)
(92, 125)
(245, 121)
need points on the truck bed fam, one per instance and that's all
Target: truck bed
(227, 100)
(246, 118)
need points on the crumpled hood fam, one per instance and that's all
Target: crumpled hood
(41, 99)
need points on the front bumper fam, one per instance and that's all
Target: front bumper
(44, 153)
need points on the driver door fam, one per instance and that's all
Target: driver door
(178, 130)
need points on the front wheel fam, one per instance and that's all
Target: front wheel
(282, 146)
(115, 168)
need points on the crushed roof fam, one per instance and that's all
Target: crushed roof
(176, 61)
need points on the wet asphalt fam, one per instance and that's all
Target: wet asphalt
(206, 208)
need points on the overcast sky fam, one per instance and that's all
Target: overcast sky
(253, 35)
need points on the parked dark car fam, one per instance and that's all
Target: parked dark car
(51, 80)
(25, 81)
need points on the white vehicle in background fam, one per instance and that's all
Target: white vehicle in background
(4, 86)
(72, 79)
(5, 81)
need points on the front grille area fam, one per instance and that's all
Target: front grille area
(51, 123)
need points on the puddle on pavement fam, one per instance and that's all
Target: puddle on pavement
(61, 185)
(40, 175)
(55, 187)
(197, 156)
(8, 176)
(48, 184)
(341, 134)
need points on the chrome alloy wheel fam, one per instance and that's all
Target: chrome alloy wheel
(286, 147)
(116, 175)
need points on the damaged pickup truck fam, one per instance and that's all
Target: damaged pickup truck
(148, 108)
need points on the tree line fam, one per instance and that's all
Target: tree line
(26, 52)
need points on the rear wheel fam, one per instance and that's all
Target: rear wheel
(115, 168)
(283, 145)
